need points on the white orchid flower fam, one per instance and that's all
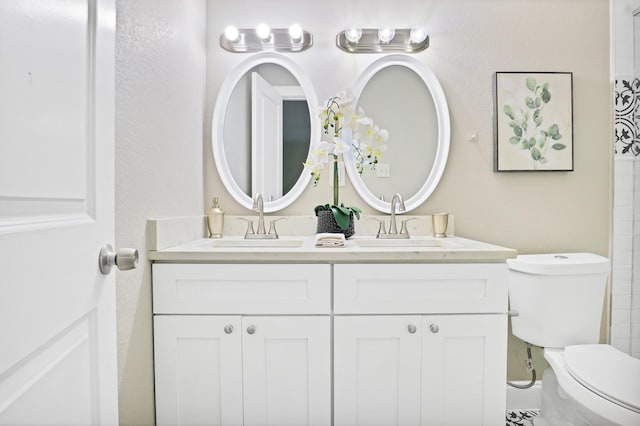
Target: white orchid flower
(381, 135)
(340, 146)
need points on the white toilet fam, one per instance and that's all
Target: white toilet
(559, 298)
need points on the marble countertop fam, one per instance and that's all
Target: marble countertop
(180, 240)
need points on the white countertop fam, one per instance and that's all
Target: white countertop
(180, 240)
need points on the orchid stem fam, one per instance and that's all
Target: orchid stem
(335, 182)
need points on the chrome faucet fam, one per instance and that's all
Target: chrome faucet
(397, 199)
(393, 227)
(258, 207)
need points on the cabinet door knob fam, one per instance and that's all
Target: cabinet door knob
(412, 328)
(434, 328)
(251, 329)
(228, 329)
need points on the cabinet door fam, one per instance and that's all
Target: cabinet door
(377, 370)
(198, 370)
(464, 369)
(287, 370)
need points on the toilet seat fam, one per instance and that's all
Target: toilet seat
(585, 395)
(606, 371)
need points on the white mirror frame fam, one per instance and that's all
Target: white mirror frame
(219, 115)
(444, 133)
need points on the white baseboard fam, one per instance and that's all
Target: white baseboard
(524, 399)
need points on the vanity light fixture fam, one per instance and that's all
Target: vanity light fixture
(353, 34)
(263, 32)
(295, 32)
(244, 40)
(382, 40)
(386, 34)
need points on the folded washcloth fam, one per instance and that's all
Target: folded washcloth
(328, 239)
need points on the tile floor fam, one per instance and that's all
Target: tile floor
(521, 417)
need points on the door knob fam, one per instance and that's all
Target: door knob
(434, 328)
(124, 259)
(412, 328)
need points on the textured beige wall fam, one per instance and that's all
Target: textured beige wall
(160, 63)
(469, 41)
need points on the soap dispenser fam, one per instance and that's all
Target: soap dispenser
(215, 219)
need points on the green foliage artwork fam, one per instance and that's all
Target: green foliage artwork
(534, 125)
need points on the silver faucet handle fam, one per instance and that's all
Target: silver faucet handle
(250, 230)
(382, 230)
(403, 229)
(272, 227)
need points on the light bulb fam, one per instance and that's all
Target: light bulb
(263, 32)
(231, 33)
(353, 34)
(417, 35)
(386, 34)
(295, 32)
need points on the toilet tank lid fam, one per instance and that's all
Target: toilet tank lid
(560, 264)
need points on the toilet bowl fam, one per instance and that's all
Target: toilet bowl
(559, 298)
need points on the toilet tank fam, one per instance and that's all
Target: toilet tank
(559, 297)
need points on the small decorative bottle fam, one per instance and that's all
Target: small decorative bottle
(215, 219)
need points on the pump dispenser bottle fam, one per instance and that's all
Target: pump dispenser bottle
(215, 219)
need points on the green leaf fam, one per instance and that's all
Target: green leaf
(556, 137)
(558, 146)
(342, 218)
(514, 140)
(542, 142)
(508, 111)
(517, 131)
(535, 154)
(532, 142)
(546, 96)
(530, 102)
(538, 102)
(537, 118)
(553, 130)
(322, 207)
(531, 83)
(543, 160)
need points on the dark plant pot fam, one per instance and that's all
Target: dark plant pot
(327, 223)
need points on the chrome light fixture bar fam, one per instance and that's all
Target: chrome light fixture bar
(244, 40)
(374, 40)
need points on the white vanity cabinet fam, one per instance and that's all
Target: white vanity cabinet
(319, 344)
(420, 344)
(242, 344)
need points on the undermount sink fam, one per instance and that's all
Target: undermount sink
(241, 242)
(408, 242)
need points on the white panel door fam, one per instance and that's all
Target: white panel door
(198, 370)
(266, 139)
(464, 370)
(287, 370)
(57, 311)
(377, 370)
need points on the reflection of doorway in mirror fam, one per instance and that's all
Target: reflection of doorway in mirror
(296, 135)
(279, 137)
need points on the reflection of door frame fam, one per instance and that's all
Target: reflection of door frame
(267, 152)
(288, 93)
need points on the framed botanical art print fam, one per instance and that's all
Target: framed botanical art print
(533, 121)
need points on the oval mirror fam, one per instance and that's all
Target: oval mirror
(262, 129)
(403, 96)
